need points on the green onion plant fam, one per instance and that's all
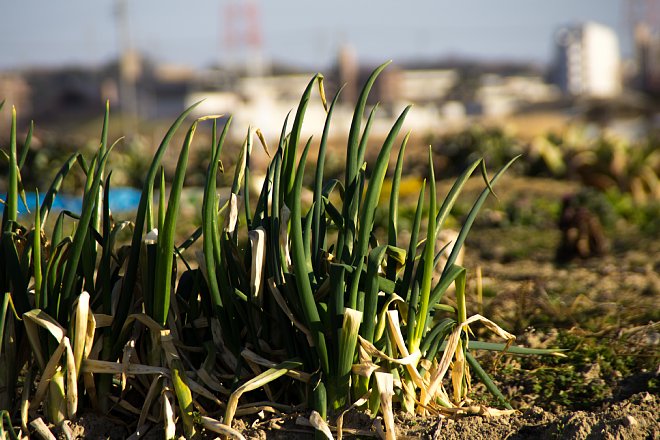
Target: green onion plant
(285, 306)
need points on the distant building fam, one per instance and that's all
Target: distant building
(500, 95)
(647, 45)
(588, 62)
(348, 71)
(261, 102)
(15, 91)
(427, 85)
(67, 93)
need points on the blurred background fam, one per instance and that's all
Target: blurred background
(252, 58)
(492, 78)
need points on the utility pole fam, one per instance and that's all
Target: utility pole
(129, 70)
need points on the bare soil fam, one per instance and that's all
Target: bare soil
(632, 418)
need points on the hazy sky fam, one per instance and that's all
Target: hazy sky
(308, 33)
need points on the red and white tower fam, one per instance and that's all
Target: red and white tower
(242, 36)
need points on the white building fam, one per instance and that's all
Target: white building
(499, 95)
(425, 85)
(263, 103)
(588, 61)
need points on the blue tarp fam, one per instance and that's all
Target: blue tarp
(122, 199)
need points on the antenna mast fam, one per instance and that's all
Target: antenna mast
(243, 36)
